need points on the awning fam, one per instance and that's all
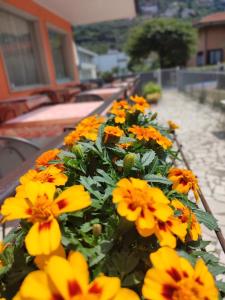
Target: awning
(90, 11)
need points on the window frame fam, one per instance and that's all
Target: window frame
(40, 49)
(214, 50)
(69, 54)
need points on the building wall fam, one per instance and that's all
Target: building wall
(209, 38)
(110, 60)
(45, 19)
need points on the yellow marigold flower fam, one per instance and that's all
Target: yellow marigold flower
(41, 261)
(120, 116)
(173, 278)
(150, 134)
(68, 279)
(172, 125)
(184, 181)
(187, 216)
(142, 204)
(166, 231)
(38, 205)
(51, 174)
(140, 103)
(44, 159)
(112, 133)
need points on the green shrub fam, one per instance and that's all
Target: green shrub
(151, 88)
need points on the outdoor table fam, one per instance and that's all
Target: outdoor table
(48, 121)
(19, 105)
(104, 93)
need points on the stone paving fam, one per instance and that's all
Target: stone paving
(203, 149)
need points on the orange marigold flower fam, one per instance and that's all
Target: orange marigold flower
(150, 133)
(87, 128)
(184, 181)
(125, 145)
(140, 103)
(44, 159)
(187, 216)
(73, 137)
(112, 133)
(68, 279)
(172, 125)
(142, 204)
(37, 204)
(173, 277)
(117, 105)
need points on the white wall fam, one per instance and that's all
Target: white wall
(114, 58)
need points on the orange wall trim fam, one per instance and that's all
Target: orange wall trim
(45, 18)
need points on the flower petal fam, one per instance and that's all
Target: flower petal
(126, 294)
(72, 199)
(80, 268)
(62, 275)
(43, 238)
(41, 261)
(15, 208)
(35, 286)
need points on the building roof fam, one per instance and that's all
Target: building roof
(213, 19)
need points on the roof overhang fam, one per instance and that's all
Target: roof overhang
(209, 24)
(79, 12)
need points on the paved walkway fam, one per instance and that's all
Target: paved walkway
(200, 133)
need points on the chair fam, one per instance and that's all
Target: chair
(14, 151)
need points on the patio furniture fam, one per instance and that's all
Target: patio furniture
(16, 106)
(61, 94)
(14, 151)
(88, 97)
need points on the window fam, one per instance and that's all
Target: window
(200, 59)
(20, 50)
(59, 48)
(215, 56)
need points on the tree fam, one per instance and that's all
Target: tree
(173, 40)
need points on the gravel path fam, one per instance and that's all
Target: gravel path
(202, 133)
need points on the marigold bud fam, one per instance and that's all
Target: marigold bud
(128, 162)
(97, 229)
(78, 150)
(154, 116)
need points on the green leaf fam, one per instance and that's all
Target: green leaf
(216, 269)
(147, 158)
(207, 219)
(133, 279)
(126, 139)
(157, 179)
(221, 286)
(99, 139)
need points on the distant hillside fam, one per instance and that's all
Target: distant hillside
(102, 36)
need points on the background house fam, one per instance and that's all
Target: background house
(113, 59)
(86, 64)
(211, 40)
